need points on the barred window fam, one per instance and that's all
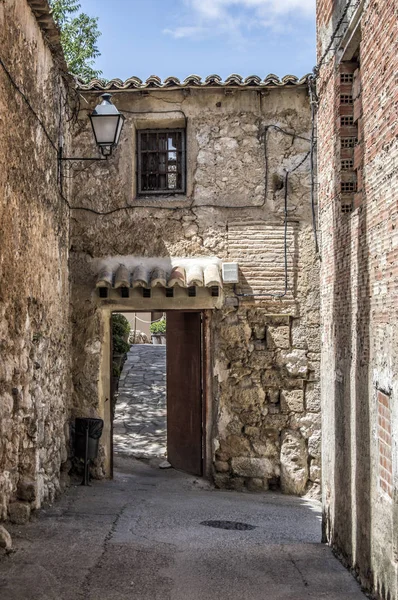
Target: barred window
(161, 161)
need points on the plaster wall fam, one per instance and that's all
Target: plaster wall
(359, 307)
(35, 383)
(264, 350)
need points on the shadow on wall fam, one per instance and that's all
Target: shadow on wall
(350, 526)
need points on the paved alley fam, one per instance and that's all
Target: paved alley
(142, 537)
(139, 428)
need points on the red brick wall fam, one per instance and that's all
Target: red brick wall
(359, 302)
(385, 442)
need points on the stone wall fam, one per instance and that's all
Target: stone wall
(35, 385)
(264, 350)
(359, 295)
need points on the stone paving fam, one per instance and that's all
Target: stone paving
(139, 428)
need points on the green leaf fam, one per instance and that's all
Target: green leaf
(79, 35)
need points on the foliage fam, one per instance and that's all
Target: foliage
(120, 346)
(120, 334)
(120, 326)
(79, 35)
(158, 327)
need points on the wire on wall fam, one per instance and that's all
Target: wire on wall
(32, 110)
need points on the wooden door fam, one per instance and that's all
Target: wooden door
(184, 391)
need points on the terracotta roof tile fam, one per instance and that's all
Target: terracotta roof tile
(193, 272)
(154, 82)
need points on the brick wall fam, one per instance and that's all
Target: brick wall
(359, 303)
(385, 442)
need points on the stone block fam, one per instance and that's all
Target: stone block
(26, 489)
(259, 332)
(314, 444)
(313, 397)
(236, 483)
(221, 480)
(221, 466)
(252, 467)
(5, 539)
(292, 401)
(315, 473)
(257, 485)
(278, 337)
(222, 456)
(252, 432)
(294, 464)
(273, 395)
(295, 362)
(19, 512)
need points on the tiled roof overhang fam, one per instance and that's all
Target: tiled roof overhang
(187, 273)
(42, 12)
(194, 81)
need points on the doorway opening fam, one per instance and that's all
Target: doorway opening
(157, 391)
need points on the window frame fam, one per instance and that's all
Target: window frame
(164, 192)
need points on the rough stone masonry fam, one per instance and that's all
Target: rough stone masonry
(35, 330)
(241, 141)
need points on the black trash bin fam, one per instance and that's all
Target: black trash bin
(87, 435)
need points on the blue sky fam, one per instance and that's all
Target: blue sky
(180, 37)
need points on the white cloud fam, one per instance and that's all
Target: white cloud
(234, 16)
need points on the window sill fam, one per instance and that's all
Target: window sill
(176, 201)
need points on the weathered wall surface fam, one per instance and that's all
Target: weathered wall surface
(359, 301)
(34, 291)
(265, 352)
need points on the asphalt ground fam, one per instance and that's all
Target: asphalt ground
(141, 537)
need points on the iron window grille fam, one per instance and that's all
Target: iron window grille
(161, 161)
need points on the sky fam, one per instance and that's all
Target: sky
(181, 37)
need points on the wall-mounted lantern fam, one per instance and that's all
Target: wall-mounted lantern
(107, 123)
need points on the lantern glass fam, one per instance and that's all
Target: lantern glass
(107, 123)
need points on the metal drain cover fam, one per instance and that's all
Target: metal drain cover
(229, 525)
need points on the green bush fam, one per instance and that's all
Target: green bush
(158, 326)
(120, 334)
(120, 346)
(120, 326)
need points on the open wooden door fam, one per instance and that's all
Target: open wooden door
(184, 391)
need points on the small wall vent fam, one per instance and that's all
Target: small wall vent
(230, 272)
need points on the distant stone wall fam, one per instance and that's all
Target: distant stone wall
(265, 351)
(35, 383)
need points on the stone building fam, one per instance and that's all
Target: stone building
(357, 158)
(206, 173)
(230, 187)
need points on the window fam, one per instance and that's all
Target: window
(160, 161)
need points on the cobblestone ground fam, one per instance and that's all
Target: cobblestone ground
(139, 428)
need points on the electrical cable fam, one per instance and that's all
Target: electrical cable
(18, 89)
(285, 249)
(210, 205)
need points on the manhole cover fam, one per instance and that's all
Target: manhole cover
(229, 525)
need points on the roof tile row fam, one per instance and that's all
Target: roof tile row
(155, 82)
